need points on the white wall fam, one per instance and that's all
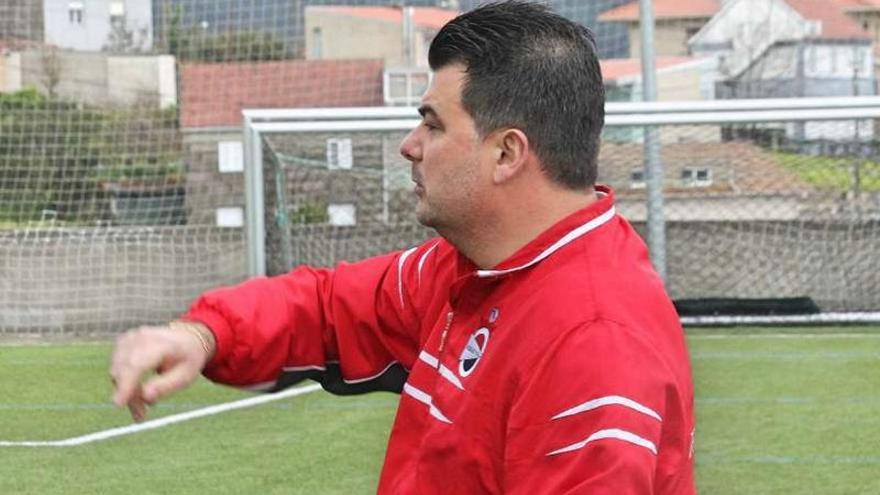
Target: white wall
(92, 33)
(750, 26)
(838, 61)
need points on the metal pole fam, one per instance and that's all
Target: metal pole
(653, 165)
(253, 179)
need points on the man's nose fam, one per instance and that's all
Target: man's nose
(410, 148)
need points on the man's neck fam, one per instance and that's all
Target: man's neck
(523, 220)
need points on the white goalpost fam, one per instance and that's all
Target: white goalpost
(774, 213)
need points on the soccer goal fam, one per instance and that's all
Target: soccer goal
(757, 211)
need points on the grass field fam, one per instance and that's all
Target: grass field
(834, 173)
(780, 411)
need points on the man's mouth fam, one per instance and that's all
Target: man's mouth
(419, 188)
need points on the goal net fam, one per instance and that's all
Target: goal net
(123, 158)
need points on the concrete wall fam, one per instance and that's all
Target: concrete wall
(101, 280)
(834, 263)
(10, 75)
(100, 79)
(137, 78)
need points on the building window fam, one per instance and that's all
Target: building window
(231, 156)
(405, 86)
(859, 56)
(696, 177)
(232, 216)
(317, 44)
(812, 60)
(75, 12)
(117, 12)
(342, 214)
(339, 154)
(637, 179)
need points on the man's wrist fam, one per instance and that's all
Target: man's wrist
(201, 332)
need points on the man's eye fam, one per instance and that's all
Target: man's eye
(430, 125)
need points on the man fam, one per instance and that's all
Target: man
(534, 346)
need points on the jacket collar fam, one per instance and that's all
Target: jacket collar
(558, 236)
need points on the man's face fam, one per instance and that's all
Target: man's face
(445, 152)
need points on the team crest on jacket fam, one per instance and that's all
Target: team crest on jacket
(473, 351)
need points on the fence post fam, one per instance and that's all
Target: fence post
(653, 164)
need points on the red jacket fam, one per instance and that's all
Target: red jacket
(563, 370)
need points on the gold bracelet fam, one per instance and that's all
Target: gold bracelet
(196, 330)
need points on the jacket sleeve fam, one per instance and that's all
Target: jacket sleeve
(355, 328)
(599, 414)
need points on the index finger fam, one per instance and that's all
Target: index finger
(127, 368)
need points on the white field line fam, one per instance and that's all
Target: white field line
(165, 421)
(50, 343)
(815, 460)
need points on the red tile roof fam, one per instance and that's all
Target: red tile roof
(214, 94)
(830, 13)
(664, 9)
(617, 68)
(18, 44)
(749, 168)
(428, 17)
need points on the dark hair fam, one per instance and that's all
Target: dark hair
(534, 70)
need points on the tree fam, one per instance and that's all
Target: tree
(124, 40)
(51, 67)
(194, 44)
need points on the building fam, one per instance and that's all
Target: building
(678, 78)
(866, 13)
(212, 99)
(707, 182)
(399, 36)
(791, 48)
(611, 37)
(675, 22)
(21, 20)
(283, 20)
(94, 25)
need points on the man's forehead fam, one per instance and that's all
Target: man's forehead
(444, 92)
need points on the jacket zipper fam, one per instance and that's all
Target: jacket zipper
(443, 335)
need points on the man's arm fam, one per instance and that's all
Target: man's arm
(349, 328)
(600, 413)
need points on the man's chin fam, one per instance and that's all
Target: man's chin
(424, 219)
(424, 215)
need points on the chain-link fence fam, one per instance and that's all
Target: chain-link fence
(122, 178)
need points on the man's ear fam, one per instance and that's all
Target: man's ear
(510, 154)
